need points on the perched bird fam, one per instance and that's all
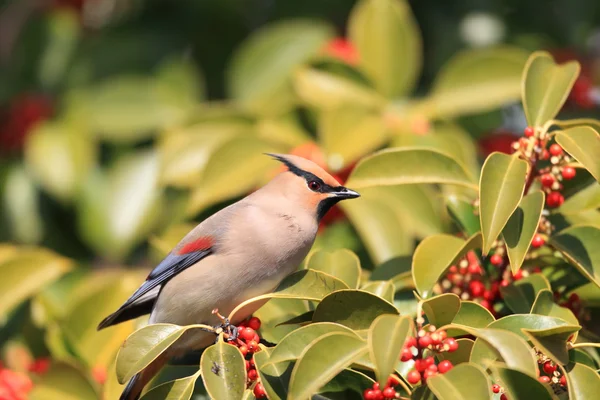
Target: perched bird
(243, 251)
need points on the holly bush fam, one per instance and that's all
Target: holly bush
(449, 278)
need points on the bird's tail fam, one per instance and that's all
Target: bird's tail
(136, 385)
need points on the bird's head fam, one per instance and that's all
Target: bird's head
(309, 185)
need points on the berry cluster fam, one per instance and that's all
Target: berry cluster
(247, 342)
(550, 374)
(388, 392)
(14, 385)
(421, 350)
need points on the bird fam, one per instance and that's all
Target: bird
(242, 251)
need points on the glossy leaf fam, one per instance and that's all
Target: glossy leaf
(388, 42)
(179, 389)
(223, 371)
(387, 335)
(520, 295)
(586, 199)
(579, 245)
(471, 314)
(519, 385)
(396, 270)
(21, 202)
(63, 381)
(546, 86)
(553, 342)
(442, 309)
(434, 255)
(521, 227)
(462, 354)
(352, 308)
(500, 190)
(583, 143)
(259, 76)
(275, 315)
(582, 382)
(461, 382)
(274, 376)
(408, 165)
(301, 285)
(322, 360)
(544, 305)
(25, 272)
(383, 289)
(341, 263)
(463, 213)
(515, 323)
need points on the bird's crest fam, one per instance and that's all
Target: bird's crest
(302, 166)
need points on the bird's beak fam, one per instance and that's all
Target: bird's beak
(345, 193)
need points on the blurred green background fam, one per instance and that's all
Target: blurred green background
(123, 123)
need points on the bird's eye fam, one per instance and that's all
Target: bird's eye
(314, 186)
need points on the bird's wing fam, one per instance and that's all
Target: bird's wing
(143, 299)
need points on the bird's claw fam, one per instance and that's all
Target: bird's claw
(226, 327)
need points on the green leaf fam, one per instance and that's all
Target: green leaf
(586, 199)
(581, 357)
(179, 389)
(259, 76)
(461, 382)
(521, 227)
(65, 382)
(60, 157)
(463, 214)
(322, 360)
(408, 165)
(275, 376)
(383, 289)
(397, 270)
(239, 159)
(493, 344)
(119, 207)
(583, 143)
(348, 133)
(294, 343)
(546, 87)
(353, 308)
(21, 201)
(442, 309)
(62, 35)
(341, 263)
(348, 379)
(579, 245)
(520, 295)
(434, 255)
(27, 271)
(519, 385)
(301, 285)
(500, 190)
(275, 315)
(517, 322)
(389, 44)
(582, 381)
(471, 314)
(223, 371)
(144, 346)
(387, 335)
(476, 80)
(553, 341)
(328, 91)
(544, 305)
(462, 354)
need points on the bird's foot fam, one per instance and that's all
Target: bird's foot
(230, 331)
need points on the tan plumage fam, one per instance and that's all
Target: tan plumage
(242, 251)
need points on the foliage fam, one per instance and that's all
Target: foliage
(448, 277)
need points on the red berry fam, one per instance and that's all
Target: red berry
(474, 269)
(537, 241)
(568, 172)
(529, 131)
(389, 393)
(549, 367)
(247, 334)
(392, 381)
(504, 283)
(582, 92)
(443, 335)
(554, 199)
(377, 394)
(428, 373)
(451, 344)
(545, 154)
(244, 350)
(547, 180)
(425, 341)
(252, 374)
(428, 361)
(254, 323)
(555, 150)
(420, 365)
(259, 391)
(445, 366)
(252, 346)
(453, 269)
(406, 354)
(518, 275)
(369, 394)
(544, 379)
(432, 367)
(413, 377)
(486, 304)
(503, 397)
(248, 365)
(476, 288)
(343, 50)
(435, 338)
(563, 380)
(496, 388)
(410, 342)
(497, 260)
(256, 338)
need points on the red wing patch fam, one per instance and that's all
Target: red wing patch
(202, 243)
